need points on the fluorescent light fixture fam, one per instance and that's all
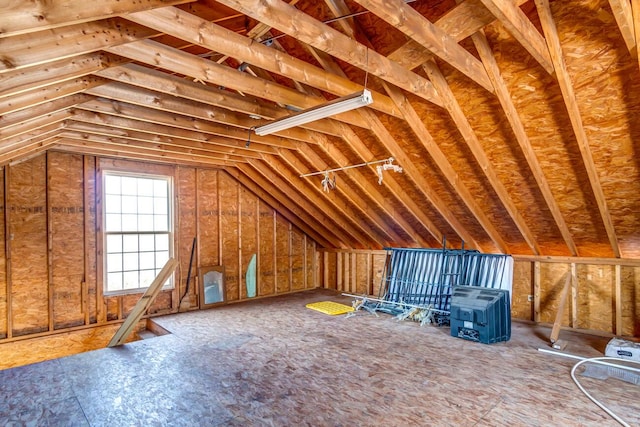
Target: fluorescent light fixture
(337, 106)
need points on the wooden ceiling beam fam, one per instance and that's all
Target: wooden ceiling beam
(635, 8)
(146, 136)
(39, 96)
(521, 28)
(20, 141)
(21, 17)
(622, 11)
(470, 137)
(28, 150)
(375, 222)
(329, 202)
(186, 26)
(161, 124)
(134, 153)
(53, 45)
(18, 118)
(460, 22)
(406, 19)
(34, 124)
(568, 93)
(159, 55)
(422, 184)
(170, 150)
(306, 199)
(503, 95)
(22, 80)
(364, 184)
(301, 26)
(420, 130)
(280, 201)
(137, 75)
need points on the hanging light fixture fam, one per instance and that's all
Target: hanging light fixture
(337, 106)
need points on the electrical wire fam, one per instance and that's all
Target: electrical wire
(601, 361)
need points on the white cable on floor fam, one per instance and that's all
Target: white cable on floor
(600, 361)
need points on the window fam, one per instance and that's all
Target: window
(137, 230)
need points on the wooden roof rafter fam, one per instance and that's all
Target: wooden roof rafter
(568, 93)
(623, 12)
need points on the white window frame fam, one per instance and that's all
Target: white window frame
(105, 233)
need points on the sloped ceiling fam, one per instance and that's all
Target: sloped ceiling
(516, 123)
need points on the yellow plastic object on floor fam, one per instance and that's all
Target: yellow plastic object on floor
(329, 307)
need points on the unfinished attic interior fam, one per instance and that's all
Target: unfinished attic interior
(137, 135)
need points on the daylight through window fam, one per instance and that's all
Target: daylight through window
(137, 230)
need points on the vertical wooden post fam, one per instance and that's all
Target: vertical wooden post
(304, 260)
(48, 210)
(275, 252)
(618, 292)
(536, 291)
(370, 275)
(339, 280)
(325, 270)
(101, 311)
(175, 253)
(7, 247)
(241, 278)
(219, 218)
(354, 270)
(86, 232)
(258, 293)
(290, 252)
(574, 296)
(314, 264)
(196, 276)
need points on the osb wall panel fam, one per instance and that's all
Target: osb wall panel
(66, 216)
(207, 191)
(229, 228)
(363, 274)
(596, 289)
(248, 235)
(329, 267)
(3, 265)
(283, 279)
(378, 263)
(552, 281)
(630, 301)
(310, 263)
(297, 261)
(357, 272)
(521, 307)
(187, 232)
(91, 278)
(53, 204)
(266, 260)
(28, 232)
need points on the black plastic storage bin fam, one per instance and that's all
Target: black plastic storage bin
(480, 314)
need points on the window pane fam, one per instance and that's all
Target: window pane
(160, 188)
(114, 262)
(159, 205)
(114, 282)
(112, 184)
(113, 222)
(129, 222)
(160, 223)
(145, 222)
(161, 259)
(112, 204)
(130, 261)
(129, 204)
(130, 243)
(147, 260)
(146, 242)
(146, 277)
(129, 185)
(162, 242)
(114, 243)
(145, 187)
(130, 279)
(145, 205)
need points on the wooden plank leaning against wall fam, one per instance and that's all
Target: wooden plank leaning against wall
(604, 296)
(51, 263)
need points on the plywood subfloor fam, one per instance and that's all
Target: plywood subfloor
(274, 362)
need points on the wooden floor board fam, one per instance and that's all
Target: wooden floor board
(274, 362)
